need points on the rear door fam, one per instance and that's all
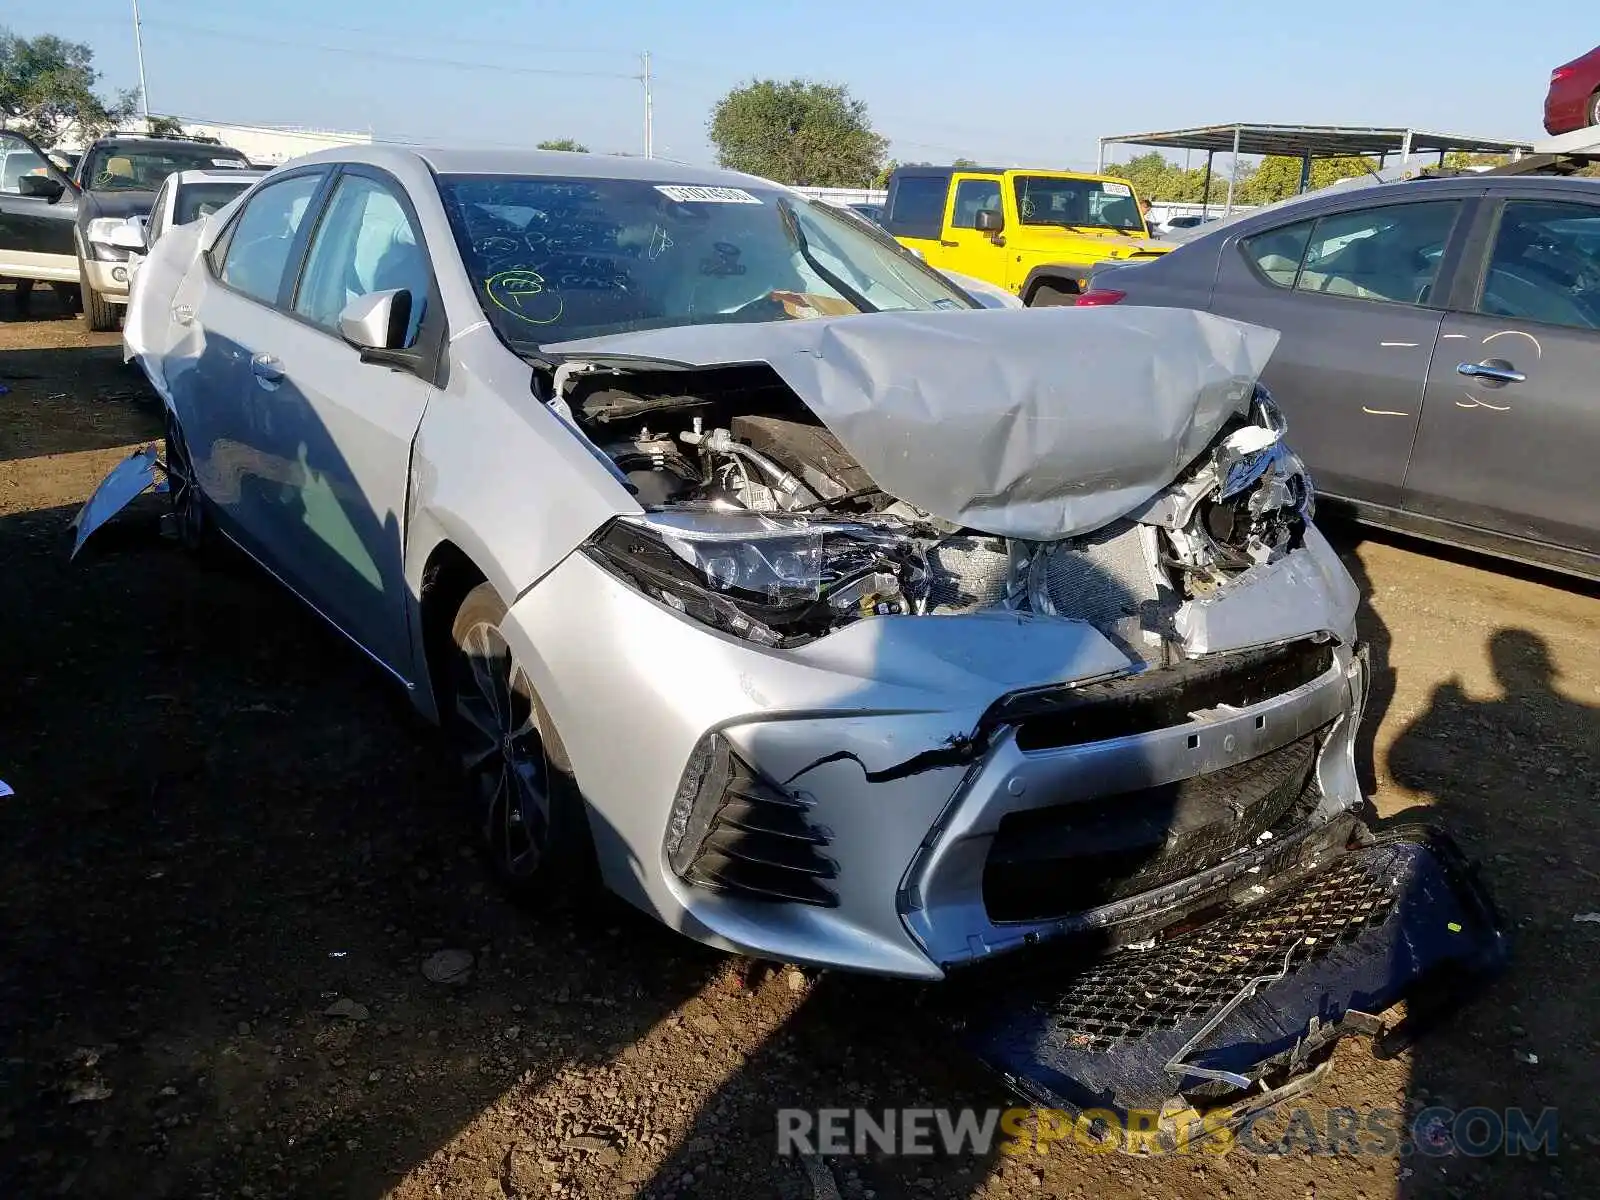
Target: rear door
(915, 211)
(1511, 428)
(35, 231)
(232, 428)
(1353, 294)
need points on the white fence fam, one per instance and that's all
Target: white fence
(842, 195)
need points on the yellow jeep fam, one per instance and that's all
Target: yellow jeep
(1037, 234)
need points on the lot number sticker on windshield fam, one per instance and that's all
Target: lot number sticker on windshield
(685, 194)
(1116, 189)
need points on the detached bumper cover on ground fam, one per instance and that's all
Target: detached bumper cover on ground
(1241, 1009)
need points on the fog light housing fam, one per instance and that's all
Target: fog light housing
(120, 274)
(732, 830)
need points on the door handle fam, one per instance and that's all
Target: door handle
(942, 242)
(1492, 371)
(183, 314)
(266, 368)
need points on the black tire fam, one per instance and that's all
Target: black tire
(532, 826)
(71, 296)
(189, 514)
(1049, 295)
(99, 314)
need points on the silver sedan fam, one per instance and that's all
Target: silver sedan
(829, 615)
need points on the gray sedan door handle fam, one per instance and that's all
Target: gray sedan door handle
(183, 314)
(1492, 370)
(266, 368)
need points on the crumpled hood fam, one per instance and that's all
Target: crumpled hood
(1041, 424)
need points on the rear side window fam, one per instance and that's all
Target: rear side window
(1391, 253)
(1277, 252)
(262, 239)
(916, 207)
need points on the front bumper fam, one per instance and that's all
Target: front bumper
(902, 740)
(110, 279)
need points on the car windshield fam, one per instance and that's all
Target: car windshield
(1085, 203)
(556, 259)
(197, 200)
(129, 167)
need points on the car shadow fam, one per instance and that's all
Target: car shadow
(1527, 810)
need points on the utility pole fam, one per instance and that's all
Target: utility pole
(649, 112)
(138, 46)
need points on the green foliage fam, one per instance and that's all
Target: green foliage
(1156, 177)
(1278, 176)
(568, 144)
(888, 169)
(963, 164)
(47, 89)
(800, 133)
(164, 127)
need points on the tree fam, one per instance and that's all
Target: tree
(47, 89)
(164, 127)
(881, 180)
(963, 164)
(569, 144)
(800, 133)
(1278, 176)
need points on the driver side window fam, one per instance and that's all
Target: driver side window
(262, 238)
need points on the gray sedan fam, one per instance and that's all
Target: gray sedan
(745, 558)
(1440, 341)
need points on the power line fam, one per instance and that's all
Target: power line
(390, 55)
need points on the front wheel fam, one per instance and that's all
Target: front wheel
(530, 816)
(99, 314)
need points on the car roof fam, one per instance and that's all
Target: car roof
(946, 172)
(221, 174)
(447, 160)
(126, 139)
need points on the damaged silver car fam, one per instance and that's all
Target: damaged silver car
(834, 617)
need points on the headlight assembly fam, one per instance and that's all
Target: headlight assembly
(779, 581)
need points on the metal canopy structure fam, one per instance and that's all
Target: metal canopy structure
(1309, 143)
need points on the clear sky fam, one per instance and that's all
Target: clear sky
(1035, 83)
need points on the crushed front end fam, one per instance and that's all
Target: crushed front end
(1073, 705)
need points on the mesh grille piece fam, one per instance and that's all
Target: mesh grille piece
(1134, 993)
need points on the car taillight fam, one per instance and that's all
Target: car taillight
(1095, 296)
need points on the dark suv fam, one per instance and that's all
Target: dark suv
(71, 228)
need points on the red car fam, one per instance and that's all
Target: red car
(1574, 98)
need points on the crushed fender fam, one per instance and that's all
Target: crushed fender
(1242, 1011)
(129, 479)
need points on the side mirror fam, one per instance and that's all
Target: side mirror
(989, 220)
(377, 321)
(41, 187)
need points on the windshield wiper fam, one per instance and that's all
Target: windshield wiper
(791, 226)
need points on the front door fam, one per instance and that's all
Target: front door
(1511, 427)
(345, 427)
(1349, 293)
(963, 248)
(37, 209)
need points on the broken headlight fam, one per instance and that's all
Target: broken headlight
(778, 581)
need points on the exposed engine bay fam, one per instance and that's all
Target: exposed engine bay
(757, 506)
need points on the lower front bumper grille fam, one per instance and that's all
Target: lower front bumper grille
(1050, 862)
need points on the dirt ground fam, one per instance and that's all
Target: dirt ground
(231, 849)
